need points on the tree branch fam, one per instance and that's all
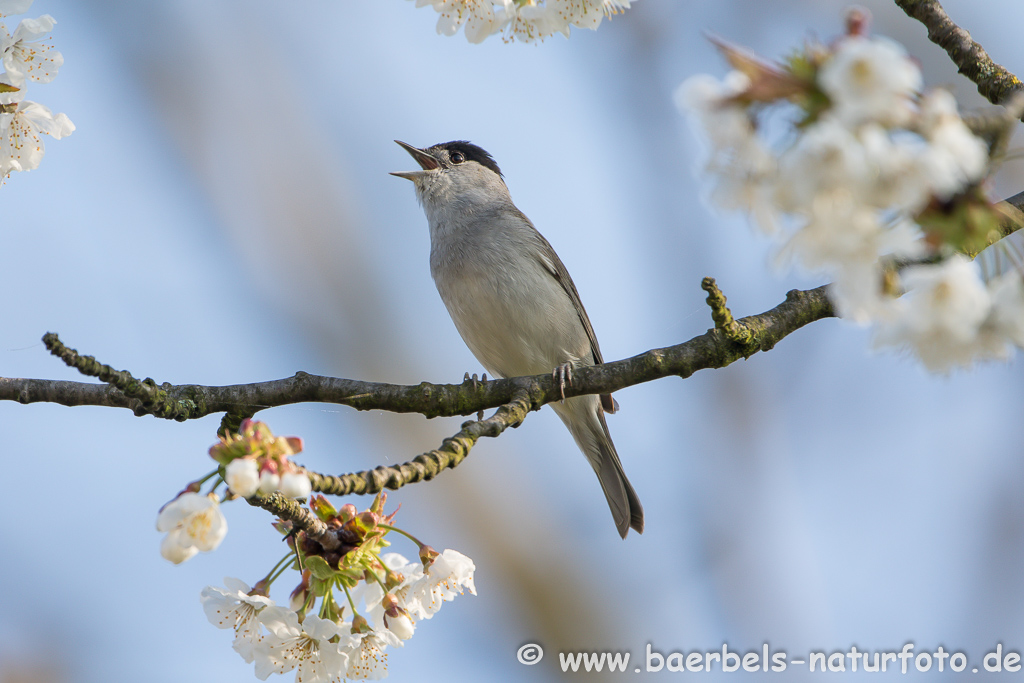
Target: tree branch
(303, 518)
(726, 343)
(714, 349)
(425, 467)
(994, 81)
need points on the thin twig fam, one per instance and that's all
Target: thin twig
(425, 467)
(994, 81)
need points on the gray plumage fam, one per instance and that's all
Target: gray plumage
(512, 299)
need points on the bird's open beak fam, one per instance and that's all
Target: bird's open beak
(425, 160)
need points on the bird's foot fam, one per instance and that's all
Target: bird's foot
(560, 374)
(483, 378)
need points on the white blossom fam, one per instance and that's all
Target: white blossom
(955, 156)
(366, 658)
(530, 21)
(936, 107)
(9, 7)
(523, 20)
(193, 522)
(269, 482)
(233, 607)
(870, 80)
(826, 158)
(847, 240)
(900, 177)
(706, 98)
(477, 15)
(173, 550)
(306, 647)
(24, 57)
(582, 13)
(446, 577)
(21, 147)
(840, 231)
(743, 168)
(586, 13)
(941, 315)
(843, 191)
(242, 476)
(1005, 322)
(295, 485)
(403, 592)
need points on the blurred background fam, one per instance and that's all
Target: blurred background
(223, 214)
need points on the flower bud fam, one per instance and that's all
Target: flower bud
(367, 520)
(390, 604)
(396, 618)
(348, 511)
(295, 485)
(858, 21)
(298, 597)
(393, 579)
(269, 482)
(360, 625)
(401, 625)
(242, 476)
(427, 555)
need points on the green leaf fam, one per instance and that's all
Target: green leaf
(323, 509)
(968, 222)
(320, 569)
(321, 588)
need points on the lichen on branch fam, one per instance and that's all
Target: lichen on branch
(994, 81)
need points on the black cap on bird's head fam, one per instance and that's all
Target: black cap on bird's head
(469, 152)
(447, 155)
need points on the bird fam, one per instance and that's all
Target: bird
(512, 300)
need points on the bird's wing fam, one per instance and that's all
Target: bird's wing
(549, 259)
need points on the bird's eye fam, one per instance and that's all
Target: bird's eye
(457, 157)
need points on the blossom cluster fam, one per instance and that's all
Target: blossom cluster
(26, 59)
(879, 184)
(255, 460)
(385, 597)
(523, 20)
(334, 551)
(251, 460)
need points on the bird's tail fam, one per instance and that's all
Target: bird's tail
(584, 417)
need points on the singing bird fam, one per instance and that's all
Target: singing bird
(512, 299)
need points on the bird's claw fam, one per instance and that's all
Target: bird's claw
(480, 413)
(560, 374)
(483, 378)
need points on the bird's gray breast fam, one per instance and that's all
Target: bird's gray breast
(513, 314)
